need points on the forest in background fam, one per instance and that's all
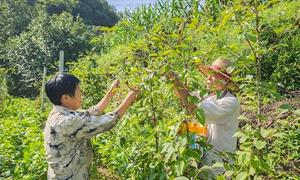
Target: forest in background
(35, 30)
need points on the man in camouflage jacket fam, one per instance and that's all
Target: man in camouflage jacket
(68, 132)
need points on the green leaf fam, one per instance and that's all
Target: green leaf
(285, 107)
(156, 28)
(218, 165)
(252, 38)
(266, 132)
(243, 139)
(197, 60)
(170, 152)
(246, 146)
(183, 141)
(181, 178)
(221, 178)
(243, 118)
(204, 168)
(255, 163)
(239, 134)
(167, 52)
(180, 168)
(194, 163)
(153, 176)
(250, 77)
(260, 144)
(297, 112)
(229, 173)
(178, 19)
(244, 158)
(258, 177)
(193, 99)
(200, 116)
(280, 134)
(243, 175)
(252, 171)
(265, 166)
(166, 146)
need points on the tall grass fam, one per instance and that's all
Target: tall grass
(135, 23)
(147, 16)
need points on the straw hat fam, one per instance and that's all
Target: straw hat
(220, 66)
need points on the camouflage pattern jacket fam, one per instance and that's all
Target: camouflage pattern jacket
(67, 141)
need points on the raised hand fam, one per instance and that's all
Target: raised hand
(172, 76)
(114, 86)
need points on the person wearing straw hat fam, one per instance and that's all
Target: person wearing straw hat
(221, 110)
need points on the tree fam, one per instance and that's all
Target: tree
(93, 12)
(14, 18)
(28, 53)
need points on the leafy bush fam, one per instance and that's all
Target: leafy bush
(269, 152)
(149, 131)
(21, 140)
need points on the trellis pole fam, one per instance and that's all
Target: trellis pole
(61, 61)
(43, 89)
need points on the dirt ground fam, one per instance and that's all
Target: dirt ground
(270, 112)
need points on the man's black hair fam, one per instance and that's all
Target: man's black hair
(59, 85)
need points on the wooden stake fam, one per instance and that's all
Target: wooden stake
(43, 89)
(61, 61)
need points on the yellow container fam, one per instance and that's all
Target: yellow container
(193, 127)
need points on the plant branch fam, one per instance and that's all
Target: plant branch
(241, 26)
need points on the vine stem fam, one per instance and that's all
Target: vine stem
(258, 59)
(154, 120)
(255, 52)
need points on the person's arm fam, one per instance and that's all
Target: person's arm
(181, 92)
(100, 107)
(122, 108)
(84, 125)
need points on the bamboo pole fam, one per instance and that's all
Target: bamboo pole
(43, 89)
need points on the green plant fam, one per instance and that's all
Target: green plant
(268, 152)
(21, 140)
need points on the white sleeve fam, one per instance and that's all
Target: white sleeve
(216, 111)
